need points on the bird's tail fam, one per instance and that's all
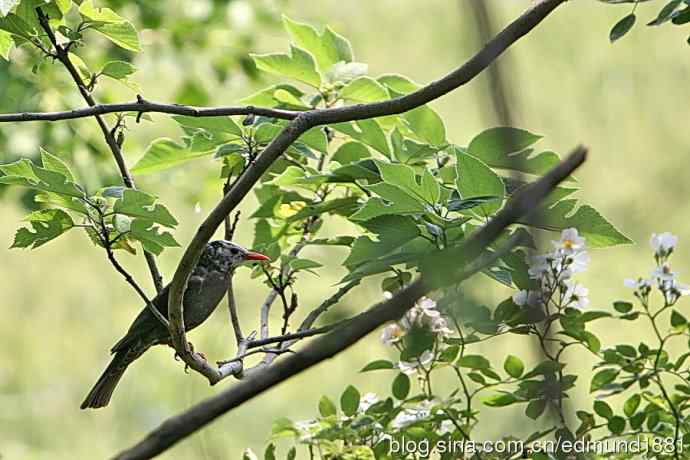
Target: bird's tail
(100, 394)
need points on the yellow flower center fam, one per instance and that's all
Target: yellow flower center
(568, 244)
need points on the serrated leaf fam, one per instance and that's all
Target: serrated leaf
(404, 177)
(47, 224)
(592, 225)
(327, 47)
(53, 163)
(397, 201)
(297, 64)
(26, 174)
(504, 147)
(138, 204)
(475, 179)
(123, 34)
(150, 236)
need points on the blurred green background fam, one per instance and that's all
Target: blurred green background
(63, 306)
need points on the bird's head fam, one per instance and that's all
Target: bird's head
(225, 256)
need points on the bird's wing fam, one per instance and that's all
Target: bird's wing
(145, 323)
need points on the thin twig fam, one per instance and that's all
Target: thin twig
(62, 55)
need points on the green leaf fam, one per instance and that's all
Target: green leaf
(7, 5)
(404, 177)
(151, 238)
(266, 97)
(123, 34)
(164, 153)
(378, 365)
(292, 453)
(327, 47)
(622, 307)
(603, 409)
(507, 148)
(349, 401)
(47, 224)
(592, 225)
(401, 386)
(6, 44)
(677, 320)
(119, 70)
(535, 408)
(616, 425)
(426, 124)
(396, 201)
(25, 173)
(476, 179)
(105, 15)
(283, 427)
(398, 83)
(602, 378)
(223, 127)
(364, 89)
(135, 203)
(500, 400)
(15, 25)
(316, 139)
(631, 405)
(622, 27)
(666, 13)
(326, 407)
(289, 100)
(298, 65)
(514, 366)
(350, 152)
(304, 264)
(270, 452)
(53, 163)
(474, 362)
(366, 131)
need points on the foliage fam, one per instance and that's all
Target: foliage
(675, 12)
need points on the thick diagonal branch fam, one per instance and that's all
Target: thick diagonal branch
(303, 122)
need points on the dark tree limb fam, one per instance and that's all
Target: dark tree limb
(62, 55)
(180, 426)
(303, 122)
(144, 106)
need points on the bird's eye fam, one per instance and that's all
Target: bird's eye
(234, 251)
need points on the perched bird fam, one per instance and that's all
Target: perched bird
(207, 285)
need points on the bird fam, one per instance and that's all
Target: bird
(207, 285)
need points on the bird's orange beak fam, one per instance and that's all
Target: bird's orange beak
(255, 256)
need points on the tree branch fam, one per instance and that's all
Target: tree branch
(306, 120)
(62, 55)
(144, 106)
(178, 427)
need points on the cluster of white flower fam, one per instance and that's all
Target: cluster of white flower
(410, 415)
(553, 273)
(661, 276)
(423, 314)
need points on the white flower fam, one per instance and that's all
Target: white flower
(410, 367)
(392, 334)
(576, 295)
(440, 326)
(663, 243)
(368, 400)
(411, 415)
(427, 307)
(663, 273)
(445, 427)
(527, 298)
(575, 263)
(570, 242)
(638, 284)
(387, 295)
